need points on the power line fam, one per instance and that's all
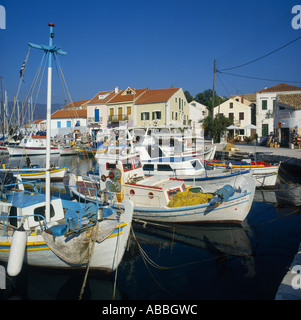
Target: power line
(264, 56)
(256, 78)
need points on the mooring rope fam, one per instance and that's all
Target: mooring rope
(94, 231)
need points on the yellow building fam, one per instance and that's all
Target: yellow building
(141, 106)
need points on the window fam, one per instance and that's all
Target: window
(77, 123)
(241, 116)
(111, 111)
(164, 167)
(171, 193)
(110, 166)
(231, 105)
(144, 115)
(58, 124)
(96, 115)
(40, 211)
(148, 167)
(68, 124)
(231, 115)
(156, 115)
(128, 111)
(265, 130)
(137, 163)
(264, 104)
(172, 115)
(127, 165)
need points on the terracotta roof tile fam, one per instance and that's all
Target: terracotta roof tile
(156, 95)
(280, 88)
(60, 114)
(122, 96)
(76, 103)
(292, 100)
(105, 96)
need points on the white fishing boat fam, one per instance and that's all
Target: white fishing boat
(31, 146)
(68, 150)
(155, 198)
(51, 232)
(35, 172)
(156, 163)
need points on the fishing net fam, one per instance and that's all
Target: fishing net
(188, 198)
(75, 248)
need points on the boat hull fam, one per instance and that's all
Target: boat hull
(233, 211)
(106, 255)
(24, 151)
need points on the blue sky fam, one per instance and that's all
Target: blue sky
(155, 44)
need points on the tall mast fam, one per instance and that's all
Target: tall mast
(50, 50)
(48, 125)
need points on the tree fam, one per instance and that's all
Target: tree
(216, 126)
(205, 98)
(188, 96)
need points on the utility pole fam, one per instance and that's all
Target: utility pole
(214, 71)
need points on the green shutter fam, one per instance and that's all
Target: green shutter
(264, 104)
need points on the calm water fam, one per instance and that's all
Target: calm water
(194, 262)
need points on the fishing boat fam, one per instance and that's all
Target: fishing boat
(156, 163)
(35, 172)
(164, 199)
(264, 173)
(46, 231)
(68, 150)
(31, 146)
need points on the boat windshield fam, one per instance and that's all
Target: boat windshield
(154, 151)
(196, 164)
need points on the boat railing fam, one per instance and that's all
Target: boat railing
(5, 220)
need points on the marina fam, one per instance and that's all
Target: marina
(189, 262)
(145, 193)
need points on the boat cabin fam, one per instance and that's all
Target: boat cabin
(153, 192)
(20, 204)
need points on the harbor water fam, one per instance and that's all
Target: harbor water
(184, 262)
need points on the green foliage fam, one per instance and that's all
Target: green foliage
(206, 98)
(216, 126)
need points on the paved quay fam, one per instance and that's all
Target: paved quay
(290, 287)
(251, 148)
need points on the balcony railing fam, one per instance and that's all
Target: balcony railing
(92, 120)
(119, 117)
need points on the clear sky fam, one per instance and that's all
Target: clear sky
(155, 44)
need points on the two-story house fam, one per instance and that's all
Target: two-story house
(137, 107)
(163, 106)
(97, 111)
(266, 106)
(238, 112)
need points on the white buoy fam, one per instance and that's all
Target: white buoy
(17, 251)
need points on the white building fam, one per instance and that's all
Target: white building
(67, 121)
(288, 116)
(240, 113)
(97, 111)
(197, 112)
(266, 107)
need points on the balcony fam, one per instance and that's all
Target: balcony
(119, 117)
(91, 121)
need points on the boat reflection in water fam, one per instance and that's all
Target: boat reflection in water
(221, 240)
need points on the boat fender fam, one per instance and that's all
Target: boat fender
(17, 251)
